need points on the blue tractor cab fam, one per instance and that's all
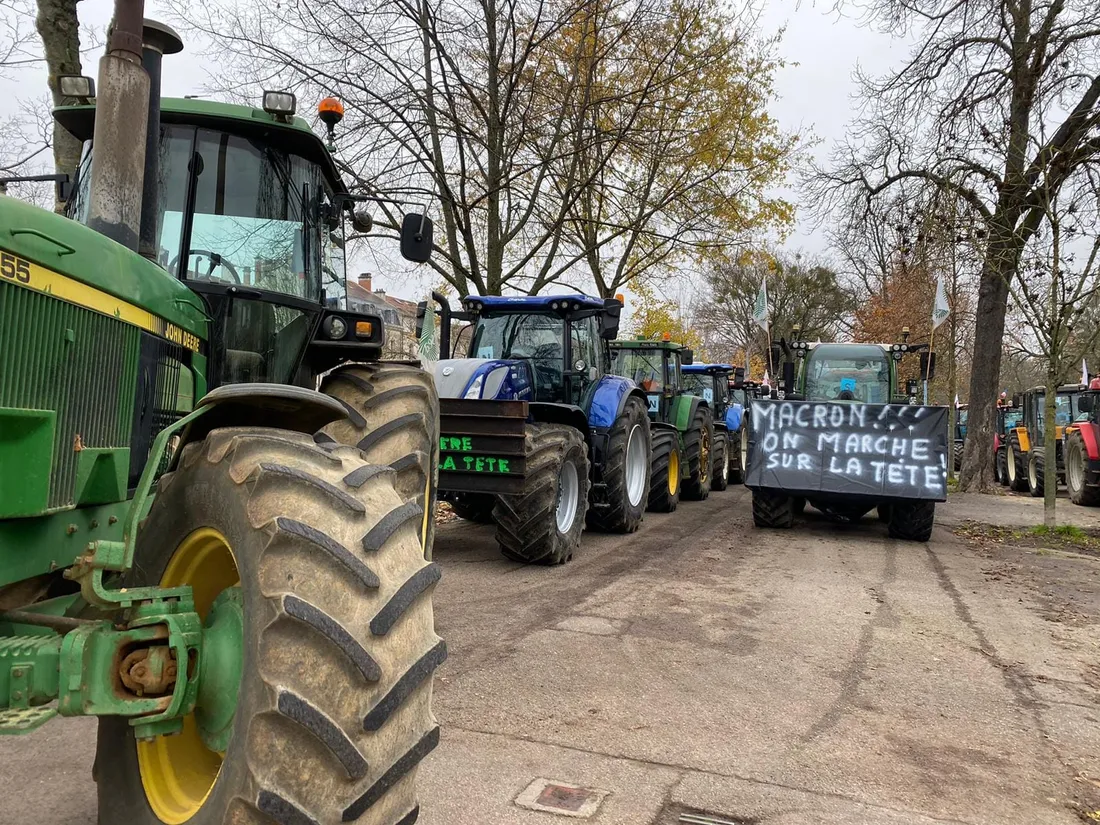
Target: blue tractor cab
(720, 385)
(536, 433)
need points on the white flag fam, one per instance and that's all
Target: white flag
(766, 382)
(940, 310)
(957, 405)
(760, 308)
(428, 350)
(1084, 373)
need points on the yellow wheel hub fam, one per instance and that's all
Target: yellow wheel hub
(673, 472)
(179, 771)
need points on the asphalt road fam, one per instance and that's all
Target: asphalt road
(825, 674)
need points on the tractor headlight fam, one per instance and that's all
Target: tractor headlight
(72, 85)
(475, 388)
(280, 103)
(335, 327)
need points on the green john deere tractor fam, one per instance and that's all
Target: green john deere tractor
(683, 437)
(224, 564)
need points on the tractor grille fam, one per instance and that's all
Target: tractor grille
(59, 356)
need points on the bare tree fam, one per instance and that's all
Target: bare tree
(984, 78)
(59, 29)
(513, 117)
(1056, 297)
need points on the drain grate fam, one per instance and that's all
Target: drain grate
(703, 819)
(561, 798)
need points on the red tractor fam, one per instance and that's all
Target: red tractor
(1082, 452)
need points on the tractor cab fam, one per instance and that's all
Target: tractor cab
(655, 366)
(713, 383)
(544, 348)
(866, 373)
(245, 206)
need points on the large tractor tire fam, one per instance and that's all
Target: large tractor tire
(771, 508)
(912, 520)
(699, 448)
(1016, 467)
(664, 473)
(543, 524)
(307, 567)
(619, 506)
(1000, 472)
(393, 417)
(475, 507)
(958, 456)
(1077, 461)
(737, 473)
(720, 472)
(1035, 477)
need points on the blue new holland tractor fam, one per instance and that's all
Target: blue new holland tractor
(717, 383)
(536, 434)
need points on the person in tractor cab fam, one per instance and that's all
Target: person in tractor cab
(1094, 384)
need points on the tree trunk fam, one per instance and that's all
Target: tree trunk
(997, 270)
(59, 28)
(1050, 447)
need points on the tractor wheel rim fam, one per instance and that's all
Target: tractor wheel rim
(1033, 474)
(744, 450)
(1074, 471)
(569, 493)
(704, 456)
(636, 465)
(178, 772)
(673, 471)
(1010, 464)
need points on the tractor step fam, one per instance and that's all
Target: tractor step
(15, 721)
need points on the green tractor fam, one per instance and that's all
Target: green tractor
(225, 565)
(683, 436)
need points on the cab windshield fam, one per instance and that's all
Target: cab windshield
(249, 226)
(852, 372)
(644, 367)
(539, 339)
(699, 384)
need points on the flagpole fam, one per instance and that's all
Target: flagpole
(931, 342)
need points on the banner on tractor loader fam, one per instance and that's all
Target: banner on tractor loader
(880, 450)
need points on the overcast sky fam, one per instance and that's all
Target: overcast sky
(814, 92)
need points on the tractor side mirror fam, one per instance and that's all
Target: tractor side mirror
(421, 310)
(64, 189)
(416, 238)
(609, 319)
(927, 366)
(738, 376)
(776, 354)
(1017, 400)
(687, 357)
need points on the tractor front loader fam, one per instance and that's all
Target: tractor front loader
(683, 426)
(536, 434)
(225, 565)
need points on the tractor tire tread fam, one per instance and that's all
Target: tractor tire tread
(912, 520)
(313, 667)
(526, 526)
(772, 509)
(660, 499)
(697, 484)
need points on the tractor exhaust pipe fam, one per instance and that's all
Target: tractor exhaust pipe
(118, 164)
(157, 41)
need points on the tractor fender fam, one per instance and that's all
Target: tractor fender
(1022, 439)
(569, 415)
(609, 399)
(1088, 434)
(733, 417)
(277, 406)
(683, 411)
